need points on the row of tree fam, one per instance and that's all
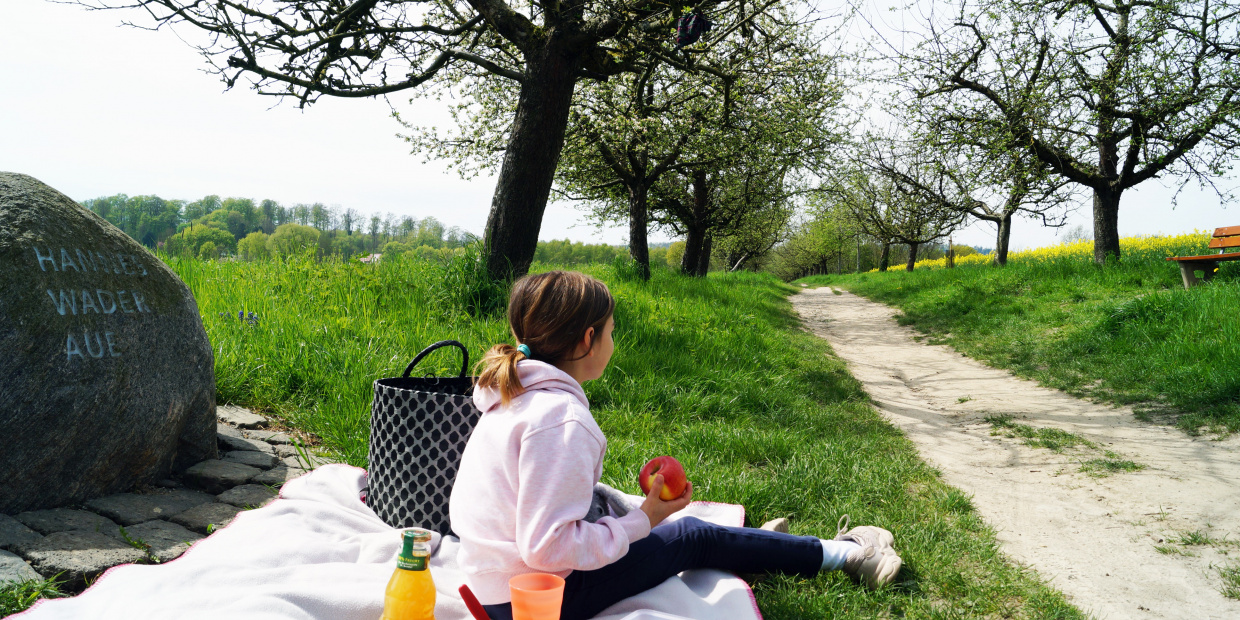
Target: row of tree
(712, 143)
(1004, 107)
(709, 138)
(1010, 108)
(807, 254)
(1023, 104)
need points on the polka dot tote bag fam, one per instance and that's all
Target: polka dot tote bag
(418, 430)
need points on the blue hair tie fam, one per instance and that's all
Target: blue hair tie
(525, 349)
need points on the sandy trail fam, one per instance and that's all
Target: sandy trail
(1093, 538)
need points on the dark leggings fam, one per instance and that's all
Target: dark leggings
(682, 545)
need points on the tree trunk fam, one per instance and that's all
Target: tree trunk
(697, 238)
(1002, 240)
(529, 163)
(694, 236)
(858, 254)
(703, 266)
(1106, 224)
(912, 256)
(739, 262)
(638, 213)
(884, 259)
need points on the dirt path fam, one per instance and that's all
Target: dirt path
(1093, 538)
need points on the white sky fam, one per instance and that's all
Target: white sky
(95, 109)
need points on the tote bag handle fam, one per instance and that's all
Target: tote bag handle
(437, 345)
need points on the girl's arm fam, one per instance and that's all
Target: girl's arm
(556, 469)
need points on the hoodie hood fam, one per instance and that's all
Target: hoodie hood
(535, 376)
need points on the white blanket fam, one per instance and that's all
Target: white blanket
(318, 552)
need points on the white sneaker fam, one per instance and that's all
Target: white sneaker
(876, 563)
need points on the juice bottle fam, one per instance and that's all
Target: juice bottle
(410, 592)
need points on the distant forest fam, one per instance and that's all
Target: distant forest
(215, 227)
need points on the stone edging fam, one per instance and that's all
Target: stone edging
(158, 524)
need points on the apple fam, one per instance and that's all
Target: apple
(674, 480)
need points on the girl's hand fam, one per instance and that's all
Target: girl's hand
(657, 509)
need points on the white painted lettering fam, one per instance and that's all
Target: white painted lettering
(85, 259)
(106, 262)
(139, 302)
(71, 349)
(51, 258)
(88, 302)
(124, 299)
(66, 299)
(111, 345)
(120, 258)
(66, 261)
(98, 343)
(103, 303)
(140, 265)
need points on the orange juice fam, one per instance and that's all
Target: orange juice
(411, 592)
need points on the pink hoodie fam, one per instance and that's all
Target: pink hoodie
(525, 484)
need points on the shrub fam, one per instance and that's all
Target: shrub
(189, 242)
(208, 251)
(394, 249)
(292, 240)
(254, 246)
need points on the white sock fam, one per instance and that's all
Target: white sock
(834, 552)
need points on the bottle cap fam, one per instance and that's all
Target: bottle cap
(408, 560)
(418, 535)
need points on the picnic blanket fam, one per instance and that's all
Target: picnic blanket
(319, 553)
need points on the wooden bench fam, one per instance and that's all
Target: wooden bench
(1224, 238)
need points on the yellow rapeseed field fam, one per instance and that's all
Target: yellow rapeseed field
(939, 263)
(1141, 247)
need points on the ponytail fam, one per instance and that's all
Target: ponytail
(499, 370)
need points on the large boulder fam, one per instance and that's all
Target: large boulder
(106, 374)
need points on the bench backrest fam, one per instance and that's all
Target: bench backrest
(1226, 237)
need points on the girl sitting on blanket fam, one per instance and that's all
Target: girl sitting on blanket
(528, 474)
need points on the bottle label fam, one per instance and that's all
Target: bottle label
(417, 562)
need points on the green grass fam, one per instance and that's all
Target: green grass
(1231, 581)
(18, 596)
(1059, 442)
(1196, 537)
(140, 545)
(1127, 333)
(1173, 550)
(1108, 466)
(716, 372)
(1052, 439)
(1229, 575)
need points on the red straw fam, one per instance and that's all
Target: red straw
(472, 603)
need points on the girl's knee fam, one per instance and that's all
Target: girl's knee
(688, 526)
(694, 522)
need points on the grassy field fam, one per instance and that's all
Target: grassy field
(1127, 333)
(716, 372)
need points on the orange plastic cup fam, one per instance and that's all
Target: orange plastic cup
(536, 596)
